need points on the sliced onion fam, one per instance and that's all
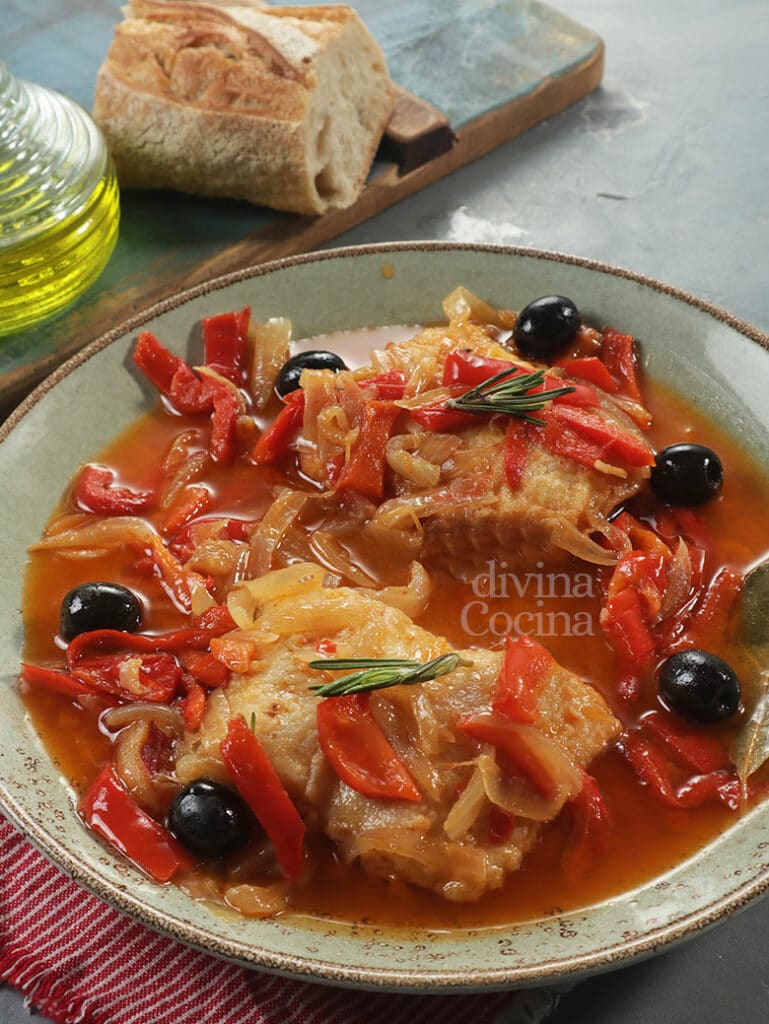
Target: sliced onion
(567, 536)
(189, 470)
(225, 383)
(679, 580)
(215, 557)
(462, 305)
(257, 901)
(637, 413)
(466, 808)
(266, 537)
(167, 718)
(401, 458)
(411, 599)
(328, 550)
(269, 342)
(153, 794)
(117, 531)
(515, 796)
(246, 599)
(438, 448)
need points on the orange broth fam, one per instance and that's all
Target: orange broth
(646, 838)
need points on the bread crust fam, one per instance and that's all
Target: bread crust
(283, 107)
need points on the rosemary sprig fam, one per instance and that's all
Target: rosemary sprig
(508, 395)
(378, 673)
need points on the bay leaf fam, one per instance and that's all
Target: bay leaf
(751, 745)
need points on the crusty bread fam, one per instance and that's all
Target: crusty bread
(282, 106)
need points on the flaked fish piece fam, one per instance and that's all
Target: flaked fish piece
(453, 494)
(423, 843)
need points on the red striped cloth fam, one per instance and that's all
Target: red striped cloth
(81, 962)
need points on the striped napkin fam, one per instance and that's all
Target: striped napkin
(79, 961)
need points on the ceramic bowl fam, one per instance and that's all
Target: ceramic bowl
(89, 400)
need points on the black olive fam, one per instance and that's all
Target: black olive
(99, 606)
(291, 371)
(686, 474)
(210, 819)
(699, 686)
(546, 326)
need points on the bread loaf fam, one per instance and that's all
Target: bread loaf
(282, 106)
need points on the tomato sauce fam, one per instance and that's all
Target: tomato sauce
(645, 838)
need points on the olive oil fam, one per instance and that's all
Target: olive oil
(59, 203)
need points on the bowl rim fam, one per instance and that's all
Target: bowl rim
(317, 970)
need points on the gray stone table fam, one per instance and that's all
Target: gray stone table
(664, 170)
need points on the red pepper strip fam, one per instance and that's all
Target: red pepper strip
(189, 393)
(194, 501)
(693, 748)
(205, 668)
(612, 442)
(642, 536)
(526, 664)
(652, 770)
(155, 361)
(225, 339)
(718, 599)
(469, 369)
(619, 354)
(94, 493)
(516, 453)
(258, 784)
(436, 417)
(159, 676)
(582, 395)
(171, 375)
(224, 421)
(387, 387)
(591, 369)
(333, 469)
(194, 706)
(213, 622)
(109, 810)
(625, 626)
(501, 825)
(359, 752)
(275, 441)
(589, 823)
(326, 647)
(644, 574)
(501, 733)
(54, 680)
(365, 468)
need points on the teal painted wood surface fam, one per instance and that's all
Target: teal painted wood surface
(467, 57)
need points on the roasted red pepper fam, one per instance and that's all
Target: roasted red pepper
(601, 440)
(225, 340)
(591, 369)
(224, 421)
(502, 734)
(718, 599)
(516, 452)
(359, 752)
(652, 769)
(54, 680)
(436, 417)
(274, 442)
(94, 493)
(619, 354)
(624, 622)
(387, 387)
(109, 810)
(365, 468)
(258, 784)
(205, 668)
(193, 705)
(468, 369)
(194, 501)
(526, 664)
(693, 748)
(589, 826)
(172, 376)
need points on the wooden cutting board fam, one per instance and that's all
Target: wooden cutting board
(474, 74)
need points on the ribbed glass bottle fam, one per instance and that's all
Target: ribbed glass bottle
(59, 202)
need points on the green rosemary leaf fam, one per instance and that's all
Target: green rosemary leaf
(379, 673)
(508, 396)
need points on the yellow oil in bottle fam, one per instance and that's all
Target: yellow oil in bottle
(59, 203)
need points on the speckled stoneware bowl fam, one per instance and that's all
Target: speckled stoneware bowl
(94, 396)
